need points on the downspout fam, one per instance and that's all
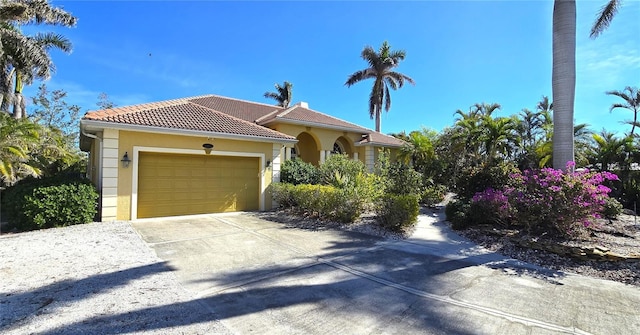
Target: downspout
(99, 158)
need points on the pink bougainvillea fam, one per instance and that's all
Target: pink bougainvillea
(548, 200)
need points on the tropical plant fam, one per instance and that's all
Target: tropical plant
(17, 138)
(381, 66)
(282, 95)
(631, 97)
(607, 149)
(25, 58)
(418, 150)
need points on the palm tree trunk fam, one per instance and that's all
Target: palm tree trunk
(378, 121)
(563, 81)
(18, 112)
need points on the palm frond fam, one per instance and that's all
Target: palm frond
(53, 40)
(359, 76)
(604, 17)
(387, 99)
(11, 11)
(40, 11)
(373, 102)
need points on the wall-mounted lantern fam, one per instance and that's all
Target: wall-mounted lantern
(125, 160)
(207, 148)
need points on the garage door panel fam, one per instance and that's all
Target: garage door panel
(170, 184)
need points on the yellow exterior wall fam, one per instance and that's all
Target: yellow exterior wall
(325, 138)
(129, 139)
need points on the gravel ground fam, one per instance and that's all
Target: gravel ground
(621, 236)
(98, 278)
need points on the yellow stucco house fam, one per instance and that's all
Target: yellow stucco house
(208, 154)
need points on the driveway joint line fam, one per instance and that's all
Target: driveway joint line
(448, 300)
(240, 283)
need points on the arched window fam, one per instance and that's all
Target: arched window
(337, 148)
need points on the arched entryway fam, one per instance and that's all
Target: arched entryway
(342, 146)
(307, 149)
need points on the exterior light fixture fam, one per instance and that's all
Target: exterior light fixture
(268, 163)
(125, 160)
(207, 148)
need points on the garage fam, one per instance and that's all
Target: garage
(177, 184)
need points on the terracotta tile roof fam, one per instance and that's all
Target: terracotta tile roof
(301, 114)
(227, 115)
(382, 139)
(182, 114)
(246, 110)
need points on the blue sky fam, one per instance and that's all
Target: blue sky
(458, 53)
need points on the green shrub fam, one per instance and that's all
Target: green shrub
(282, 193)
(296, 171)
(611, 208)
(322, 201)
(456, 212)
(433, 195)
(402, 179)
(51, 202)
(477, 179)
(340, 171)
(369, 189)
(398, 212)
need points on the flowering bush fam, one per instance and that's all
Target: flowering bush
(490, 206)
(548, 200)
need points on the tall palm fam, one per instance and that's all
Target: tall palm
(381, 66)
(564, 71)
(24, 58)
(23, 70)
(631, 97)
(282, 94)
(563, 81)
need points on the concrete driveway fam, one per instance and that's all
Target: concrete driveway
(259, 276)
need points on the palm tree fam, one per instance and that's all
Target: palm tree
(631, 97)
(24, 58)
(563, 81)
(607, 149)
(381, 65)
(282, 94)
(564, 72)
(499, 137)
(605, 16)
(36, 65)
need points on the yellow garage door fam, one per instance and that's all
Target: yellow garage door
(170, 184)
